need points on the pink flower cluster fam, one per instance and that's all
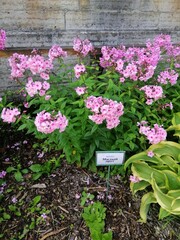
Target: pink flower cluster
(9, 115)
(56, 52)
(80, 90)
(155, 134)
(2, 39)
(36, 87)
(82, 46)
(47, 123)
(18, 64)
(168, 76)
(37, 64)
(164, 42)
(105, 109)
(133, 63)
(152, 93)
(79, 69)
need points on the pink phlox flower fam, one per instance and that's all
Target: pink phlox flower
(105, 109)
(38, 64)
(79, 69)
(26, 104)
(152, 93)
(82, 46)
(36, 87)
(120, 65)
(2, 39)
(80, 90)
(47, 97)
(168, 76)
(56, 52)
(44, 216)
(40, 154)
(155, 134)
(77, 196)
(18, 64)
(167, 105)
(10, 115)
(134, 179)
(46, 123)
(2, 174)
(150, 154)
(14, 200)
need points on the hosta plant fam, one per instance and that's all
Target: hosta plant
(157, 172)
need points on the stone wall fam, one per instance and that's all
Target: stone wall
(41, 23)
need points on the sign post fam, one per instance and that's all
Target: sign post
(109, 158)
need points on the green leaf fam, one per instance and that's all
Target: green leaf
(163, 199)
(94, 128)
(10, 169)
(25, 171)
(107, 236)
(176, 206)
(36, 168)
(23, 126)
(173, 180)
(36, 176)
(166, 148)
(163, 213)
(138, 186)
(144, 172)
(6, 216)
(146, 200)
(36, 200)
(18, 176)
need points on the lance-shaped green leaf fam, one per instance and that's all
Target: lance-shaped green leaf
(146, 201)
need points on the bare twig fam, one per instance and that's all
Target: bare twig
(53, 233)
(64, 210)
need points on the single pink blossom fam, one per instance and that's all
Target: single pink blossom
(150, 154)
(134, 179)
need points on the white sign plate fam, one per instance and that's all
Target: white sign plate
(107, 158)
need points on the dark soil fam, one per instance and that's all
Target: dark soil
(60, 192)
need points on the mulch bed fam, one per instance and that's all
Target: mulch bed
(60, 193)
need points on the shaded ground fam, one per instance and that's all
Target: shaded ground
(60, 194)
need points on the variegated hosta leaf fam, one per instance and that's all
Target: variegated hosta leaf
(144, 158)
(167, 202)
(138, 186)
(166, 148)
(173, 180)
(146, 200)
(144, 172)
(163, 213)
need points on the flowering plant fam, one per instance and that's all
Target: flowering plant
(97, 103)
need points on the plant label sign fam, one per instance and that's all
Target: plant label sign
(108, 158)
